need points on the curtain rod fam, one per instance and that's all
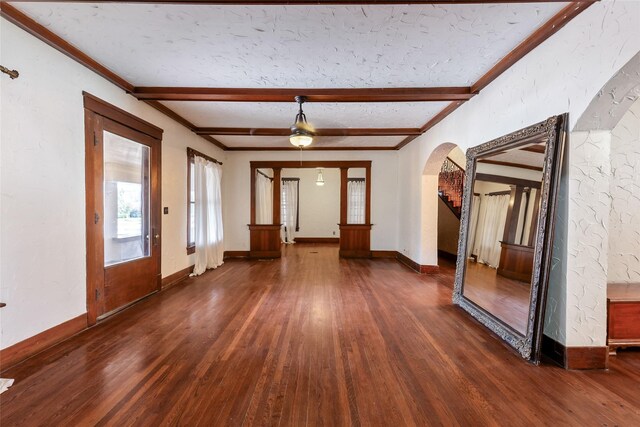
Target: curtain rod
(264, 174)
(192, 152)
(356, 179)
(291, 179)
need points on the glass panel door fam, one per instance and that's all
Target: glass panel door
(126, 199)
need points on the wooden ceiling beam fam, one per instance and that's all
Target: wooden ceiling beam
(318, 132)
(510, 164)
(419, 94)
(21, 20)
(32, 27)
(313, 147)
(548, 29)
(308, 2)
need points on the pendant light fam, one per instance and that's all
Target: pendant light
(301, 133)
(320, 180)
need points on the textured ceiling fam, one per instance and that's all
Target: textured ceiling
(294, 46)
(373, 46)
(320, 115)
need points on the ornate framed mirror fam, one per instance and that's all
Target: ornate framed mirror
(506, 232)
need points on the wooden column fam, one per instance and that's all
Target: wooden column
(264, 239)
(344, 175)
(277, 193)
(534, 218)
(355, 239)
(511, 224)
(367, 209)
(252, 220)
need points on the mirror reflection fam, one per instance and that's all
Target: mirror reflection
(502, 229)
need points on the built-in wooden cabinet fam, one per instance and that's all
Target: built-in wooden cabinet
(623, 315)
(516, 262)
(355, 239)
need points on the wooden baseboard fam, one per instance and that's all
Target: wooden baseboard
(575, 357)
(384, 254)
(429, 269)
(18, 352)
(422, 269)
(175, 278)
(236, 254)
(265, 254)
(356, 253)
(317, 240)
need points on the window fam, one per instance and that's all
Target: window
(290, 202)
(191, 204)
(129, 202)
(356, 195)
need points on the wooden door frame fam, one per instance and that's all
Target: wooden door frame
(268, 229)
(95, 111)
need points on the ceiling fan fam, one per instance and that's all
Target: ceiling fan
(302, 132)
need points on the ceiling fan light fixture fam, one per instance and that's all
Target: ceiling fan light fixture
(301, 133)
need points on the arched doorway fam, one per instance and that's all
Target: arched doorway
(577, 301)
(433, 224)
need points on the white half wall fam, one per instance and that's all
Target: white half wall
(42, 223)
(563, 74)
(384, 181)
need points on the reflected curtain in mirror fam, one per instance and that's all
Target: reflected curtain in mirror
(208, 215)
(490, 228)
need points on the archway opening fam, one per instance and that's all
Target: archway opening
(442, 180)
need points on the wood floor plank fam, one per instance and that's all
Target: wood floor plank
(308, 340)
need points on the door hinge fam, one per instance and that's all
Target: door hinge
(96, 218)
(97, 295)
(95, 139)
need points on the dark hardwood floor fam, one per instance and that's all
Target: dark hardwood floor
(308, 340)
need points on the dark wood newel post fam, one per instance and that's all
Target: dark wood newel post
(276, 196)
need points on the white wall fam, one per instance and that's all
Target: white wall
(384, 180)
(624, 187)
(42, 223)
(561, 75)
(319, 205)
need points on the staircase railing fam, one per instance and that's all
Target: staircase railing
(450, 185)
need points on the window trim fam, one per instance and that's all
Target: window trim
(191, 154)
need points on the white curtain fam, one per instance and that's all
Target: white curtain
(490, 228)
(356, 201)
(208, 215)
(473, 224)
(264, 199)
(289, 210)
